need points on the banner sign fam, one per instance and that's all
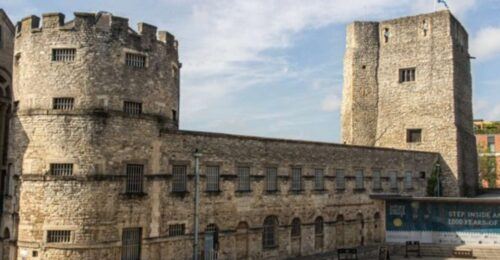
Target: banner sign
(442, 223)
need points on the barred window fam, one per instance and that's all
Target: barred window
(393, 179)
(414, 135)
(131, 243)
(61, 169)
(319, 179)
(295, 232)
(340, 179)
(406, 75)
(244, 178)
(63, 103)
(491, 143)
(270, 232)
(135, 176)
(132, 108)
(179, 178)
(135, 60)
(408, 180)
(360, 182)
(58, 236)
(63, 54)
(377, 183)
(296, 179)
(318, 233)
(213, 178)
(176, 230)
(271, 179)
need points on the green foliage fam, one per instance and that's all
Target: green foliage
(491, 128)
(487, 167)
(433, 183)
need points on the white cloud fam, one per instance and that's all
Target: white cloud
(457, 7)
(486, 44)
(331, 103)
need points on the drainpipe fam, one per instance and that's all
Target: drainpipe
(197, 154)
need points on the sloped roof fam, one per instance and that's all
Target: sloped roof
(7, 20)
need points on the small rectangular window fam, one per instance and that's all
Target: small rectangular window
(63, 103)
(393, 179)
(179, 178)
(340, 179)
(243, 178)
(176, 230)
(271, 179)
(377, 183)
(407, 75)
(319, 179)
(174, 115)
(63, 54)
(135, 60)
(135, 176)
(212, 178)
(408, 180)
(414, 135)
(58, 236)
(296, 179)
(61, 169)
(491, 143)
(360, 182)
(132, 108)
(131, 243)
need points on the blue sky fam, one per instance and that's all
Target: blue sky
(274, 68)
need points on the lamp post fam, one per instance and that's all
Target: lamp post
(197, 154)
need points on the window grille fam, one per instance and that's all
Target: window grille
(296, 179)
(340, 179)
(360, 179)
(176, 230)
(491, 143)
(319, 179)
(406, 75)
(58, 236)
(269, 234)
(377, 183)
(132, 108)
(135, 60)
(414, 135)
(179, 178)
(64, 54)
(131, 243)
(393, 176)
(61, 169)
(63, 103)
(295, 232)
(318, 233)
(408, 180)
(244, 178)
(213, 178)
(271, 179)
(135, 176)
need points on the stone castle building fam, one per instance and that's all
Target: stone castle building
(98, 169)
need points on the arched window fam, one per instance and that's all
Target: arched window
(339, 226)
(213, 230)
(270, 232)
(376, 229)
(6, 233)
(361, 222)
(318, 233)
(295, 232)
(242, 240)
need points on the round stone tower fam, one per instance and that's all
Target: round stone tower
(92, 96)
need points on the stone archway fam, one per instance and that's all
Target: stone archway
(242, 240)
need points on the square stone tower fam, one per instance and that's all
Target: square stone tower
(407, 85)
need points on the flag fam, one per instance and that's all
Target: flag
(443, 2)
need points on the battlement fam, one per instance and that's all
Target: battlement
(95, 22)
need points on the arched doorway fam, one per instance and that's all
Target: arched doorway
(361, 229)
(296, 237)
(377, 236)
(339, 228)
(319, 235)
(242, 240)
(211, 244)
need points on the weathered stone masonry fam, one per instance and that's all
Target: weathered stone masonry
(99, 138)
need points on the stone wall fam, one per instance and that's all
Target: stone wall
(438, 101)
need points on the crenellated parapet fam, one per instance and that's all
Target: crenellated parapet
(97, 60)
(97, 22)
